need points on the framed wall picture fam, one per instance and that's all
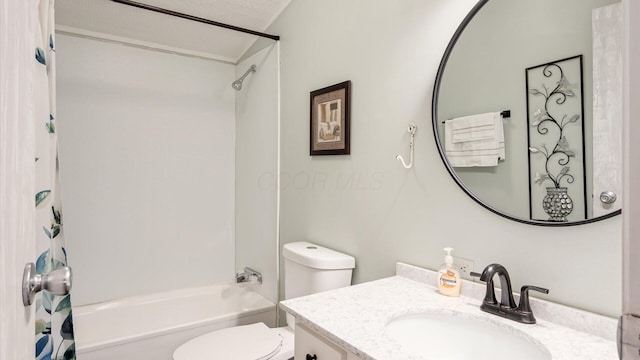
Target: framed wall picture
(330, 112)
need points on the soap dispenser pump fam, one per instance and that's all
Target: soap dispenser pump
(448, 277)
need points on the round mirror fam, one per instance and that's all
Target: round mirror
(527, 109)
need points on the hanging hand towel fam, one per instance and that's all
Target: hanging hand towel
(473, 128)
(482, 149)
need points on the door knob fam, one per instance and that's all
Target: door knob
(57, 282)
(608, 197)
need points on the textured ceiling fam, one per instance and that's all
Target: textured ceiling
(104, 17)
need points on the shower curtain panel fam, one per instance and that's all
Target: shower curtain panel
(54, 324)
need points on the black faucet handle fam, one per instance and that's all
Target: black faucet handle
(534, 288)
(475, 274)
(524, 305)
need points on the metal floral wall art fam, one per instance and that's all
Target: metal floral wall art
(556, 141)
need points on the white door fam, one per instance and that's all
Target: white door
(608, 48)
(17, 211)
(631, 225)
(631, 212)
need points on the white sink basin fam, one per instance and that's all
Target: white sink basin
(457, 336)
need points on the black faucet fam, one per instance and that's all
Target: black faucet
(507, 307)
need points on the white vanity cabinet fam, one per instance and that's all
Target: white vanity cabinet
(310, 345)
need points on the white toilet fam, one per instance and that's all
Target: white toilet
(308, 269)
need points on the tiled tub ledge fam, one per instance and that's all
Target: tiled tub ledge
(355, 317)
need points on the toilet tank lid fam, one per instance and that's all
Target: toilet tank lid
(317, 257)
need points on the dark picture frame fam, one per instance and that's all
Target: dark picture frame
(330, 113)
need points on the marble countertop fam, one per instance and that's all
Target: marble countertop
(355, 317)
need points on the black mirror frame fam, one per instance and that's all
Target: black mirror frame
(439, 145)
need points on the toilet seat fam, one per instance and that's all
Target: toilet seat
(249, 342)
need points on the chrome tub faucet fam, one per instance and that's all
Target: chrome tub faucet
(507, 306)
(247, 275)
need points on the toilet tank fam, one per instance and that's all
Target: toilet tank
(310, 268)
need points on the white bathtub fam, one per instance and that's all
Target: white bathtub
(153, 326)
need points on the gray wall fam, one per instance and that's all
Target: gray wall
(366, 204)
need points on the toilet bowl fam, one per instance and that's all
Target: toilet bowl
(308, 269)
(249, 342)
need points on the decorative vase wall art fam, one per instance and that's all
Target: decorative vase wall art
(555, 116)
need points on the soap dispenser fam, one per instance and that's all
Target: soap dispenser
(448, 277)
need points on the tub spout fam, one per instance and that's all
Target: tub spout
(247, 275)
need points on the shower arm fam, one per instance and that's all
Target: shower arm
(237, 85)
(252, 69)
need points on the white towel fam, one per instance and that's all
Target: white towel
(482, 149)
(473, 128)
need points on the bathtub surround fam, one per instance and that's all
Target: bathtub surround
(147, 166)
(385, 213)
(256, 169)
(155, 133)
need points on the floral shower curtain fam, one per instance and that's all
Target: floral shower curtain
(54, 324)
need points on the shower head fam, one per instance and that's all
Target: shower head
(237, 85)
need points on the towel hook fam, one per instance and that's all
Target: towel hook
(412, 131)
